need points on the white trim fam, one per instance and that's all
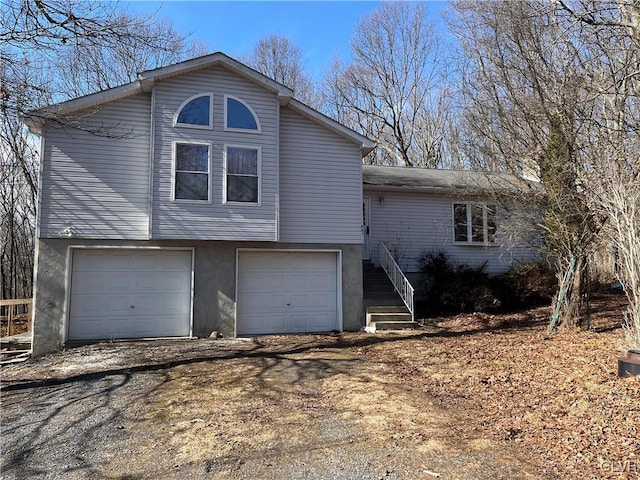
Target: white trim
(485, 226)
(174, 148)
(147, 79)
(366, 225)
(152, 155)
(224, 174)
(366, 145)
(258, 130)
(218, 58)
(191, 125)
(86, 101)
(41, 157)
(66, 320)
(338, 253)
(277, 199)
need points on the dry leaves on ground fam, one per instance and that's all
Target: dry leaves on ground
(555, 395)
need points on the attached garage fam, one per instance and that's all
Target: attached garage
(288, 292)
(137, 293)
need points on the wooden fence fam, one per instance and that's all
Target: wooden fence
(16, 314)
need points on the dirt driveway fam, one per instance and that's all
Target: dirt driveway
(272, 407)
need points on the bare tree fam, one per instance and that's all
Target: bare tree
(551, 89)
(392, 90)
(93, 67)
(523, 96)
(609, 33)
(51, 51)
(280, 59)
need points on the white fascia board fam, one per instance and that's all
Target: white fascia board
(366, 144)
(34, 119)
(368, 187)
(284, 93)
(145, 83)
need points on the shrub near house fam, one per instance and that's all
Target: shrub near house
(453, 288)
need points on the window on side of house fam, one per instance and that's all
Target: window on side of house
(195, 112)
(239, 116)
(242, 174)
(192, 172)
(474, 223)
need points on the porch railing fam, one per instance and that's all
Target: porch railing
(15, 311)
(399, 280)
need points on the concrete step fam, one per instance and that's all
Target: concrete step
(400, 309)
(398, 316)
(389, 325)
(373, 294)
(390, 317)
(391, 300)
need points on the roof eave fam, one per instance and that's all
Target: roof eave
(422, 188)
(366, 144)
(34, 119)
(283, 92)
(146, 81)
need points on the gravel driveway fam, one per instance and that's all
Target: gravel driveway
(268, 408)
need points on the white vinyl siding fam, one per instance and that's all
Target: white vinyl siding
(215, 220)
(415, 223)
(98, 186)
(320, 183)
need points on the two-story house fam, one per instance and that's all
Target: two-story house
(200, 198)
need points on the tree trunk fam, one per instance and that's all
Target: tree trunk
(575, 287)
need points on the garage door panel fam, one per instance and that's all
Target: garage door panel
(321, 321)
(148, 261)
(273, 301)
(96, 305)
(174, 305)
(297, 323)
(298, 301)
(130, 294)
(299, 282)
(324, 281)
(257, 324)
(287, 292)
(152, 281)
(263, 281)
(321, 301)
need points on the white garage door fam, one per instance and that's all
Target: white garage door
(130, 294)
(287, 292)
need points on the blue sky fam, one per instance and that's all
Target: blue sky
(321, 29)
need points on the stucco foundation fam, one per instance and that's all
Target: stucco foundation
(214, 299)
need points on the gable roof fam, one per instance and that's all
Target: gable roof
(146, 80)
(437, 180)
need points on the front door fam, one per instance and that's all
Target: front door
(366, 244)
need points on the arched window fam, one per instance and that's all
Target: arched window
(239, 116)
(195, 112)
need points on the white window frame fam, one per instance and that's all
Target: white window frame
(485, 223)
(174, 164)
(191, 125)
(224, 171)
(243, 130)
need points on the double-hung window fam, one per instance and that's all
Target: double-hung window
(192, 172)
(474, 223)
(242, 174)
